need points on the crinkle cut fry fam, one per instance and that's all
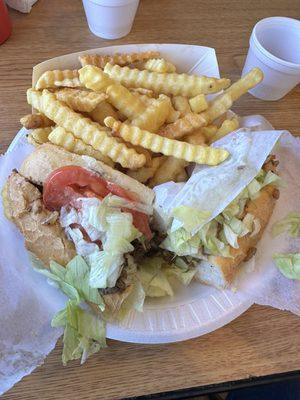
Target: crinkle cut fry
(84, 129)
(159, 65)
(58, 78)
(224, 101)
(183, 126)
(119, 96)
(119, 58)
(60, 137)
(168, 147)
(155, 115)
(166, 83)
(80, 100)
(34, 121)
(217, 107)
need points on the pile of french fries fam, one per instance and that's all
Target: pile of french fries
(135, 113)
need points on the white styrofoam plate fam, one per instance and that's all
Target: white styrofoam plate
(194, 310)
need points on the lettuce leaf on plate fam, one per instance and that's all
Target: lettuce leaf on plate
(289, 224)
(73, 280)
(84, 332)
(288, 264)
(156, 275)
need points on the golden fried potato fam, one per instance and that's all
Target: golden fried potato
(80, 100)
(171, 83)
(181, 104)
(159, 65)
(169, 170)
(183, 126)
(229, 125)
(103, 110)
(145, 173)
(67, 140)
(221, 104)
(198, 103)
(155, 115)
(84, 129)
(40, 135)
(196, 137)
(38, 120)
(168, 147)
(58, 78)
(100, 60)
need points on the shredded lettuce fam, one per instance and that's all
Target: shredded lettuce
(135, 300)
(105, 269)
(288, 264)
(156, 276)
(190, 218)
(290, 224)
(190, 234)
(84, 332)
(119, 304)
(106, 265)
(73, 280)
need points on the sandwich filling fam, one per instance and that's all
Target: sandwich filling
(192, 233)
(110, 229)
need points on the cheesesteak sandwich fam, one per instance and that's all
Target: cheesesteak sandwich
(90, 230)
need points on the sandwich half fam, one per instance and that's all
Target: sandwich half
(225, 242)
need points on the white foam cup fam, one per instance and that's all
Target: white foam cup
(275, 49)
(110, 19)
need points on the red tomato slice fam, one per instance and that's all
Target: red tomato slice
(141, 222)
(62, 182)
(118, 191)
(66, 184)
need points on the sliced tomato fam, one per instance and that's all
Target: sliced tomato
(66, 184)
(141, 222)
(118, 191)
(60, 186)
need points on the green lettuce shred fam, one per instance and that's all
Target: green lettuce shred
(73, 280)
(84, 332)
(120, 232)
(288, 264)
(290, 224)
(156, 276)
(190, 234)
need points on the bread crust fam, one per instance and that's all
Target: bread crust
(261, 208)
(48, 157)
(43, 235)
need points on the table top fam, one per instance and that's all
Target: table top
(261, 342)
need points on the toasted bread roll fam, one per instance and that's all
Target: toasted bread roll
(48, 157)
(43, 235)
(220, 271)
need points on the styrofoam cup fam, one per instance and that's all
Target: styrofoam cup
(275, 49)
(110, 19)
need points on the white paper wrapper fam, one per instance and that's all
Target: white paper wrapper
(27, 302)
